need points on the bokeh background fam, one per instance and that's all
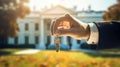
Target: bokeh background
(26, 41)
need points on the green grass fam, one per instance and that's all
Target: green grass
(61, 59)
(11, 50)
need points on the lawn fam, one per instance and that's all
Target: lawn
(51, 58)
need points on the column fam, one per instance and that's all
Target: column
(52, 37)
(42, 43)
(21, 38)
(64, 40)
(74, 46)
(52, 40)
(31, 34)
(64, 43)
(31, 39)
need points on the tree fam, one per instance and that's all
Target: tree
(113, 12)
(10, 11)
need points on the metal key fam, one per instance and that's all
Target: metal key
(57, 43)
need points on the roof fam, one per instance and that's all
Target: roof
(58, 10)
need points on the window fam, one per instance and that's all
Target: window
(48, 26)
(26, 27)
(26, 40)
(69, 39)
(78, 41)
(36, 26)
(36, 39)
(48, 39)
(47, 21)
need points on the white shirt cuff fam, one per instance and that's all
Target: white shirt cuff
(94, 34)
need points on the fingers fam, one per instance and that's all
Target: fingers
(73, 22)
(66, 17)
(64, 25)
(63, 32)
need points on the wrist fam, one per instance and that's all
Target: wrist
(87, 31)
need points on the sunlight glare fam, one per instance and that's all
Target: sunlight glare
(81, 4)
(38, 4)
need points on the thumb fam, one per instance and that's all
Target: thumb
(52, 27)
(74, 22)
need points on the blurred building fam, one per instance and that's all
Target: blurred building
(90, 15)
(35, 28)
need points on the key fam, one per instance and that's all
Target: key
(57, 43)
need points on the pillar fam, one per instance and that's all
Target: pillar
(42, 42)
(52, 40)
(64, 40)
(64, 43)
(74, 46)
(31, 34)
(21, 38)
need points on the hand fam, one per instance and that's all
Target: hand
(69, 26)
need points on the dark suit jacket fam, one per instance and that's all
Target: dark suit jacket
(109, 35)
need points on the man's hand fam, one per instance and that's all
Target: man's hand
(69, 26)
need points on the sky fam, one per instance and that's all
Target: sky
(81, 4)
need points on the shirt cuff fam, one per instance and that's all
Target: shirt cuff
(94, 34)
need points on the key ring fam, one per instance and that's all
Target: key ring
(57, 43)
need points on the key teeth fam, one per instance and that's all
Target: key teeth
(57, 41)
(57, 50)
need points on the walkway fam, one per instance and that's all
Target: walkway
(28, 51)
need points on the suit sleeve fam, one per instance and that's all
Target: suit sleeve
(109, 35)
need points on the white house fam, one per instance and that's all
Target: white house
(35, 28)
